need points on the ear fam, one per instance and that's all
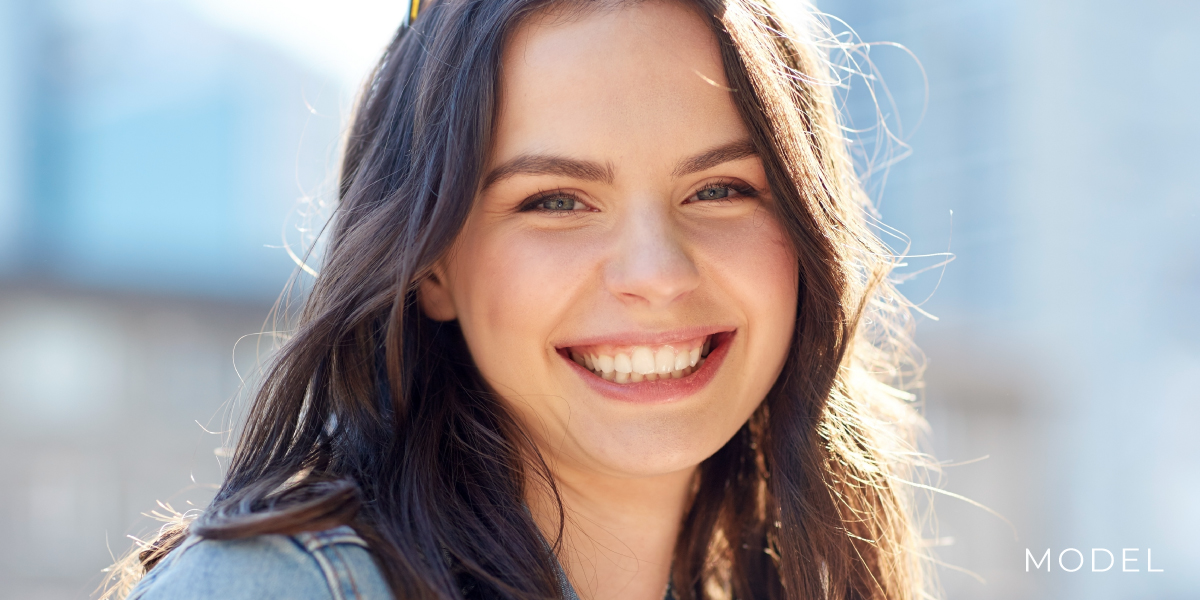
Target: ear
(435, 298)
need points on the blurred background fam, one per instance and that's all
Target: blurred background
(157, 158)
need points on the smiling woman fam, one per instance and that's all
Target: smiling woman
(600, 317)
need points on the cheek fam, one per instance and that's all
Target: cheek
(754, 264)
(511, 290)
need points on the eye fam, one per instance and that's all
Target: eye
(723, 190)
(715, 192)
(554, 203)
(557, 203)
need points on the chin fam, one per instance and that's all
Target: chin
(654, 445)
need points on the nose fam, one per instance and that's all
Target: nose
(651, 266)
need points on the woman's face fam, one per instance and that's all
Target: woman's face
(622, 281)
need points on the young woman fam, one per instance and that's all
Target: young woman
(600, 317)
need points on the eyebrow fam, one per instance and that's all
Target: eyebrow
(716, 156)
(543, 164)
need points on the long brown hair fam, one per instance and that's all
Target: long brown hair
(374, 415)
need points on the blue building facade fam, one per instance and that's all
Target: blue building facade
(152, 151)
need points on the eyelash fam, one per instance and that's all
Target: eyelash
(533, 204)
(738, 187)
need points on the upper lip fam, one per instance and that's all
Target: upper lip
(645, 338)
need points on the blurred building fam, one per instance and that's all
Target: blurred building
(1063, 366)
(152, 166)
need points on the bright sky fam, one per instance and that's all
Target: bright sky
(343, 38)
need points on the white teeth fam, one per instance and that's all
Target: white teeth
(642, 360)
(664, 360)
(622, 364)
(605, 363)
(645, 363)
(680, 363)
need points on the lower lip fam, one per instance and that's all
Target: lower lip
(659, 390)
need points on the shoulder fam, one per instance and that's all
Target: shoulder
(326, 565)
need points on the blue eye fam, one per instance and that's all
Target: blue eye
(557, 203)
(715, 192)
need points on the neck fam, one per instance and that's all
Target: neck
(619, 534)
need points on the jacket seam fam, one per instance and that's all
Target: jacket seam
(335, 568)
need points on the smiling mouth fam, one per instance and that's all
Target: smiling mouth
(635, 364)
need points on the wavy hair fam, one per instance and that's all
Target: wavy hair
(373, 415)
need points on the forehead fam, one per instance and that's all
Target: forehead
(642, 81)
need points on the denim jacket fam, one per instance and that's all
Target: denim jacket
(326, 565)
